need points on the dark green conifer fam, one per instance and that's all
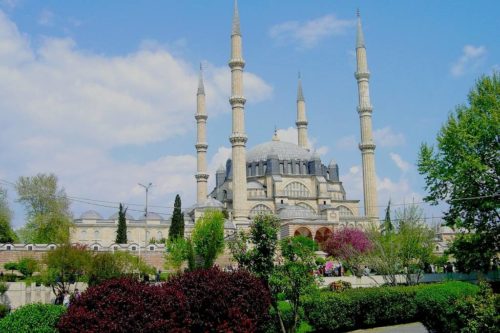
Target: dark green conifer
(177, 227)
(121, 233)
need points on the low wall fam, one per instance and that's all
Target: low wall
(20, 294)
(378, 280)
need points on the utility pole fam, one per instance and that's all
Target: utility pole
(146, 214)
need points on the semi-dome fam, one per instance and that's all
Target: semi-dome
(294, 212)
(283, 150)
(91, 215)
(208, 203)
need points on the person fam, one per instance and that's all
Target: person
(158, 276)
(59, 299)
(366, 271)
(76, 294)
(66, 299)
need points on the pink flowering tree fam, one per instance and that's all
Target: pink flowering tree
(349, 245)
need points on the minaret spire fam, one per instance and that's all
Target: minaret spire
(367, 146)
(201, 142)
(238, 137)
(301, 117)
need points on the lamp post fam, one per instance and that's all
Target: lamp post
(146, 187)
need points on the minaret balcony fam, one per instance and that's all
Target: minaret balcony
(300, 123)
(201, 147)
(201, 176)
(236, 63)
(200, 116)
(362, 75)
(367, 146)
(238, 139)
(365, 110)
(237, 100)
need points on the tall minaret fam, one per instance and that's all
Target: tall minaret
(201, 142)
(238, 137)
(301, 117)
(367, 146)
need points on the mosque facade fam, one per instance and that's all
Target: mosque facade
(276, 177)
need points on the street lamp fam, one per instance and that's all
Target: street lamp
(146, 187)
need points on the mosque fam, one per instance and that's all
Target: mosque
(276, 177)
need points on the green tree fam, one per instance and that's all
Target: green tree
(464, 169)
(27, 266)
(294, 277)
(263, 237)
(388, 227)
(121, 232)
(177, 227)
(64, 265)
(177, 253)
(472, 252)
(47, 207)
(190, 255)
(108, 265)
(255, 252)
(407, 249)
(208, 237)
(7, 235)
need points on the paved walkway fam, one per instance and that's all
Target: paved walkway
(405, 328)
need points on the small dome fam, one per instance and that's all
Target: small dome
(291, 212)
(283, 150)
(221, 169)
(332, 163)
(154, 216)
(127, 216)
(91, 215)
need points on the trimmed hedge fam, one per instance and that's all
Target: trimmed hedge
(33, 318)
(370, 307)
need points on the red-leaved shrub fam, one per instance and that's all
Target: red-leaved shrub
(126, 305)
(347, 243)
(224, 302)
(200, 301)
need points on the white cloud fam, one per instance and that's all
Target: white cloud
(398, 191)
(46, 18)
(400, 163)
(308, 34)
(63, 110)
(290, 135)
(472, 56)
(386, 137)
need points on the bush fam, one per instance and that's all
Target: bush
(368, 307)
(4, 310)
(457, 307)
(126, 305)
(220, 301)
(3, 287)
(339, 286)
(27, 266)
(33, 318)
(199, 301)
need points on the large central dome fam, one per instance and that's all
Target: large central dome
(283, 150)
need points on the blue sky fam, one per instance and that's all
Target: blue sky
(103, 93)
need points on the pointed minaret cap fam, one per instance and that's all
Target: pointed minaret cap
(236, 20)
(201, 87)
(360, 39)
(221, 169)
(300, 94)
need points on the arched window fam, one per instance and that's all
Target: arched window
(159, 235)
(303, 231)
(84, 234)
(260, 209)
(296, 189)
(344, 211)
(96, 234)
